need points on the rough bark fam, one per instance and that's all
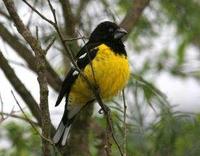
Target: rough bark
(41, 70)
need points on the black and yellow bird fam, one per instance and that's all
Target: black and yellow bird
(103, 61)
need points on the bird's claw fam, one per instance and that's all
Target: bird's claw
(104, 110)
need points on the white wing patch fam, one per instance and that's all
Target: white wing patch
(82, 56)
(75, 73)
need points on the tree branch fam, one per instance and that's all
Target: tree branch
(68, 18)
(70, 23)
(27, 55)
(29, 121)
(4, 14)
(20, 88)
(133, 14)
(80, 9)
(100, 134)
(18, 117)
(41, 70)
(41, 67)
(22, 29)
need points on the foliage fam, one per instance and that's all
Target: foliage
(23, 140)
(174, 133)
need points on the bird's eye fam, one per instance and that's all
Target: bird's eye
(110, 29)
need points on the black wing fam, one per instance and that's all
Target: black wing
(87, 47)
(66, 85)
(85, 55)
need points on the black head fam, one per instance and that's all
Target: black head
(107, 31)
(110, 34)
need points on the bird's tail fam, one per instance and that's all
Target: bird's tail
(62, 132)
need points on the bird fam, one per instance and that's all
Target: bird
(103, 62)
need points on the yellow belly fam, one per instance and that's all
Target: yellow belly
(111, 73)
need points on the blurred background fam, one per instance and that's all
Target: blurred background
(163, 93)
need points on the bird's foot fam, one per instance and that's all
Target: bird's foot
(104, 110)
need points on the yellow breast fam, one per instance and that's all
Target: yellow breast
(109, 72)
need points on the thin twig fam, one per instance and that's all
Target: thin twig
(29, 121)
(23, 111)
(50, 44)
(109, 121)
(125, 128)
(75, 38)
(2, 13)
(18, 117)
(4, 118)
(20, 88)
(53, 12)
(35, 10)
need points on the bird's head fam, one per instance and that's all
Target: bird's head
(107, 32)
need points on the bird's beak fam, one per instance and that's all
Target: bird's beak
(119, 33)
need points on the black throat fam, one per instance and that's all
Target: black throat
(117, 46)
